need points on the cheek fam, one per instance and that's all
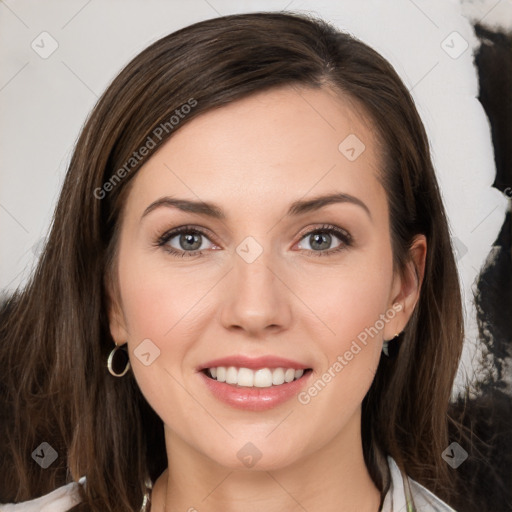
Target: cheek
(158, 300)
(160, 305)
(351, 307)
(169, 305)
(351, 300)
(348, 298)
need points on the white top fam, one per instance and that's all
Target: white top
(59, 500)
(66, 497)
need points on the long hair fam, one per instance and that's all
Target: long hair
(55, 336)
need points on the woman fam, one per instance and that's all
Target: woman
(259, 375)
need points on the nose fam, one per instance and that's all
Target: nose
(256, 297)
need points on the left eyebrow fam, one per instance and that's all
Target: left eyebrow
(304, 206)
(296, 208)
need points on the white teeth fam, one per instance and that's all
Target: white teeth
(278, 376)
(221, 374)
(289, 375)
(245, 377)
(231, 375)
(262, 378)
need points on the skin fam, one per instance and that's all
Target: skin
(253, 158)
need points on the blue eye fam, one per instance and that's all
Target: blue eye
(190, 238)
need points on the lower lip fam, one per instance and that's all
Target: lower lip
(255, 399)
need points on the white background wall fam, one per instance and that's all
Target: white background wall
(57, 57)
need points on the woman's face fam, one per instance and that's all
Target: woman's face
(265, 284)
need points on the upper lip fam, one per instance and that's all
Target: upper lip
(254, 363)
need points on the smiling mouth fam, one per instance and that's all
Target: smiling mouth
(261, 378)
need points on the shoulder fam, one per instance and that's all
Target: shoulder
(404, 491)
(59, 500)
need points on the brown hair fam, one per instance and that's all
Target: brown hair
(55, 335)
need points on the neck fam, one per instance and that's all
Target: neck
(333, 478)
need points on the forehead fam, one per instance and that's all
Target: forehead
(286, 142)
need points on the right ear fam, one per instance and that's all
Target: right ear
(116, 319)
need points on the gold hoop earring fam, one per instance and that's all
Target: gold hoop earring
(111, 363)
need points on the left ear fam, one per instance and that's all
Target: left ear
(407, 286)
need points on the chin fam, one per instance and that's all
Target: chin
(254, 456)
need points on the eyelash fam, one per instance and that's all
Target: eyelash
(343, 235)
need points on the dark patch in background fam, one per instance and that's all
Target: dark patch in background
(485, 478)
